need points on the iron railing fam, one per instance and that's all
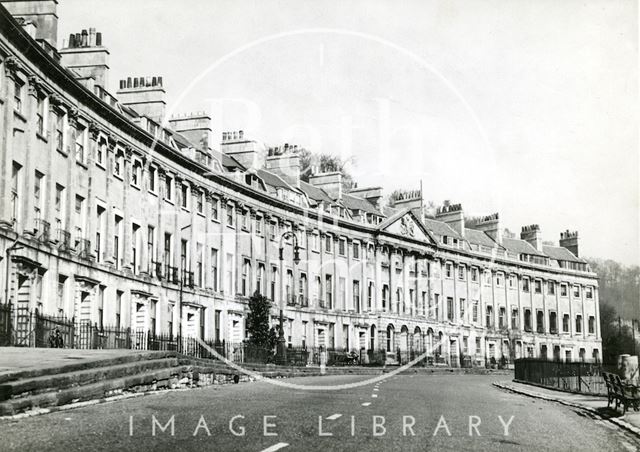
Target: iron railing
(43, 230)
(583, 377)
(64, 239)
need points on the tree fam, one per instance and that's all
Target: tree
(258, 322)
(616, 338)
(324, 163)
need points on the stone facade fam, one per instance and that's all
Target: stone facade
(109, 209)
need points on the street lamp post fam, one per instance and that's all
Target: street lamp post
(281, 350)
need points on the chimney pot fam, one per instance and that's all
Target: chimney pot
(99, 39)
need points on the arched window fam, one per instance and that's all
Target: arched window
(389, 338)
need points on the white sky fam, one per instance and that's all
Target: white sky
(529, 108)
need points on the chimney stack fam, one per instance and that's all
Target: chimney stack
(285, 164)
(329, 182)
(569, 240)
(453, 215)
(407, 199)
(86, 56)
(196, 127)
(371, 194)
(248, 153)
(43, 13)
(490, 225)
(145, 97)
(532, 235)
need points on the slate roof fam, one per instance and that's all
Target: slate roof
(560, 253)
(440, 228)
(273, 180)
(315, 193)
(520, 247)
(479, 238)
(354, 203)
(230, 163)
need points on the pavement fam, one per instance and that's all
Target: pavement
(348, 412)
(596, 405)
(21, 359)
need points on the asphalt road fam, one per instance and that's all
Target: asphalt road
(411, 412)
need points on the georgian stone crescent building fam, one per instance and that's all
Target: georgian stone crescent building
(110, 205)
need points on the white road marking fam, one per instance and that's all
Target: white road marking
(366, 404)
(375, 389)
(275, 447)
(374, 395)
(333, 417)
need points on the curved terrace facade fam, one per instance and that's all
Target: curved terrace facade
(122, 218)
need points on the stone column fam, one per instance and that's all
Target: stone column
(110, 220)
(126, 210)
(92, 218)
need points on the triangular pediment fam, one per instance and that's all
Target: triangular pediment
(406, 224)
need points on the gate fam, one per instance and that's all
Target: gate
(5, 324)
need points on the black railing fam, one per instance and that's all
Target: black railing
(51, 331)
(64, 239)
(158, 269)
(43, 230)
(83, 248)
(106, 337)
(582, 377)
(5, 324)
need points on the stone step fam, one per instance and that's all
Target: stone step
(87, 364)
(153, 379)
(58, 381)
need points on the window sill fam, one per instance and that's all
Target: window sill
(153, 193)
(216, 220)
(82, 164)
(117, 176)
(200, 214)
(169, 201)
(62, 152)
(184, 209)
(41, 137)
(137, 187)
(101, 166)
